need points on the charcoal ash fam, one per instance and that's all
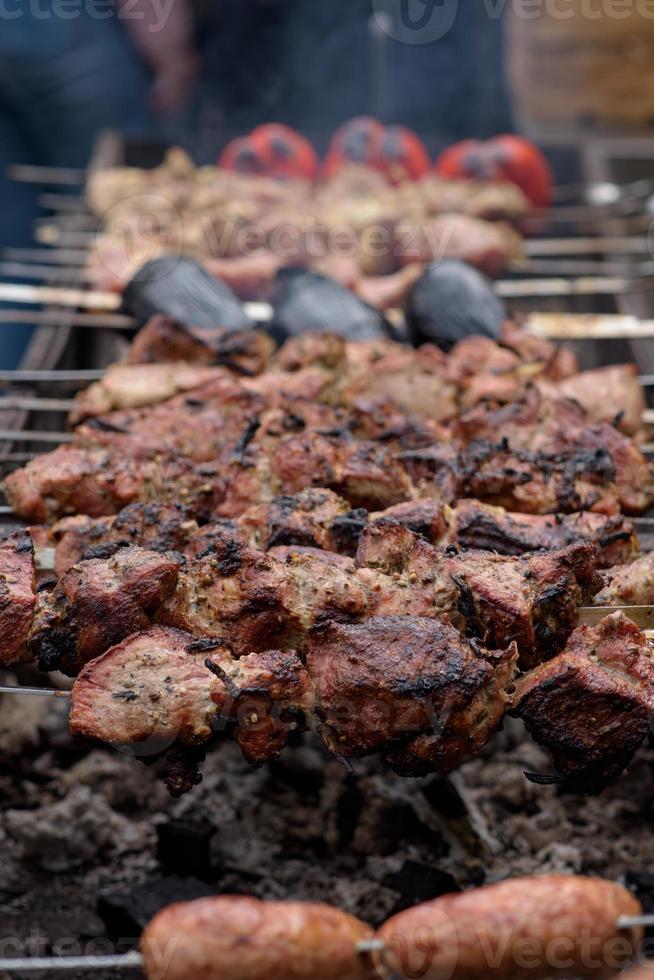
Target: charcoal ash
(87, 836)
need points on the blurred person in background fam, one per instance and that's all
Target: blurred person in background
(313, 65)
(68, 72)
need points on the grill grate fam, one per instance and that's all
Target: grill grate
(581, 261)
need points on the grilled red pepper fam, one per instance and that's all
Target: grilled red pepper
(394, 150)
(274, 150)
(504, 158)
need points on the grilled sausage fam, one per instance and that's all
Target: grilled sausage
(240, 938)
(527, 927)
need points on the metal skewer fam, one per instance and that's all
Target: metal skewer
(55, 318)
(39, 692)
(34, 435)
(66, 176)
(37, 404)
(120, 962)
(124, 961)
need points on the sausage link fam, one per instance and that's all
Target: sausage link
(242, 938)
(526, 927)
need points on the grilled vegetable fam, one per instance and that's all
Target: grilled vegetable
(508, 157)
(394, 150)
(274, 150)
(450, 301)
(182, 289)
(306, 302)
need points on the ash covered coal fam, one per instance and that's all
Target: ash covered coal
(92, 845)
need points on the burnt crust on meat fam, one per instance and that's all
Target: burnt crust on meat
(412, 688)
(96, 604)
(17, 597)
(590, 706)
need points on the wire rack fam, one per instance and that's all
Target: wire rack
(600, 259)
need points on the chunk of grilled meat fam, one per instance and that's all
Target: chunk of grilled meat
(532, 600)
(17, 597)
(97, 604)
(476, 525)
(264, 697)
(590, 706)
(205, 424)
(152, 694)
(609, 394)
(558, 361)
(413, 688)
(127, 386)
(320, 519)
(99, 483)
(518, 480)
(164, 340)
(555, 427)
(630, 584)
(427, 698)
(253, 602)
(156, 527)
(414, 380)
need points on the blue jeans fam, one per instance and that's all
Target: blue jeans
(61, 82)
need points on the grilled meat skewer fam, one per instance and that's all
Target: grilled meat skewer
(320, 519)
(253, 600)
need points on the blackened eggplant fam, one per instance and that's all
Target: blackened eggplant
(450, 301)
(307, 302)
(183, 290)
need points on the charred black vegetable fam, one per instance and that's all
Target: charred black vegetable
(185, 291)
(306, 302)
(450, 301)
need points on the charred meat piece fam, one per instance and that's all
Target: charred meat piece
(412, 688)
(557, 360)
(538, 483)
(127, 386)
(364, 473)
(590, 706)
(415, 380)
(17, 597)
(155, 526)
(265, 697)
(532, 600)
(164, 340)
(97, 604)
(427, 517)
(204, 424)
(481, 526)
(560, 427)
(151, 694)
(609, 394)
(97, 483)
(316, 518)
(631, 584)
(254, 602)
